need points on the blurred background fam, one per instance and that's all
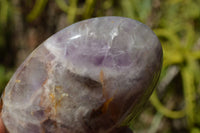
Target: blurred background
(174, 106)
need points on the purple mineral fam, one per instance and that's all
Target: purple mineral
(91, 77)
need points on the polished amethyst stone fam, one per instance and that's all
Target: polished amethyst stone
(91, 77)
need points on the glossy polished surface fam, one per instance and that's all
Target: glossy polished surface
(90, 77)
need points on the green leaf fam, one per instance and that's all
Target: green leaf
(189, 93)
(37, 9)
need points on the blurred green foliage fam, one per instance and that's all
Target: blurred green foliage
(6, 14)
(175, 22)
(4, 77)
